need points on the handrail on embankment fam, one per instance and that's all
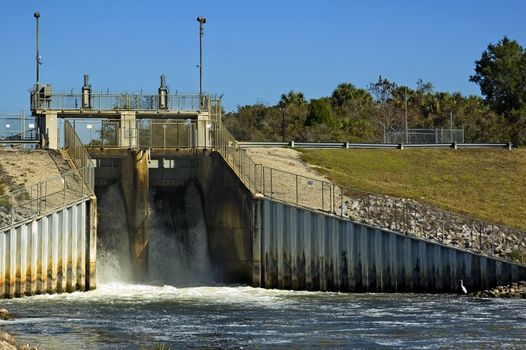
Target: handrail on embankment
(397, 214)
(79, 155)
(349, 145)
(42, 198)
(53, 194)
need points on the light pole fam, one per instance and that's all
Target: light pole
(282, 123)
(406, 127)
(202, 21)
(451, 126)
(37, 16)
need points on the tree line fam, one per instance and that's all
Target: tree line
(363, 115)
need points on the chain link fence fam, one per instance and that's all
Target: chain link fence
(42, 198)
(396, 214)
(80, 156)
(52, 194)
(419, 136)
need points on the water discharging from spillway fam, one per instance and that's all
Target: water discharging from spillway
(178, 248)
(120, 315)
(113, 244)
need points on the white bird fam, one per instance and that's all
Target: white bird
(464, 290)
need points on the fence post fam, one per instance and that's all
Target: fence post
(341, 200)
(12, 203)
(414, 215)
(480, 235)
(241, 165)
(271, 190)
(443, 227)
(45, 196)
(333, 206)
(322, 199)
(238, 160)
(263, 178)
(296, 189)
(39, 198)
(262, 183)
(395, 216)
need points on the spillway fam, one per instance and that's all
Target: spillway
(178, 242)
(178, 246)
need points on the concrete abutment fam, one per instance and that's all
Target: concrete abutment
(134, 182)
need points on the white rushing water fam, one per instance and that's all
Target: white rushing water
(178, 243)
(113, 244)
(178, 246)
(124, 315)
(134, 316)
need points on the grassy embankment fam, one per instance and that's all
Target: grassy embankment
(483, 184)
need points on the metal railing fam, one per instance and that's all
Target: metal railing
(79, 155)
(17, 127)
(349, 145)
(43, 197)
(397, 214)
(124, 101)
(49, 195)
(146, 133)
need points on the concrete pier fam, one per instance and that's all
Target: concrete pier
(134, 180)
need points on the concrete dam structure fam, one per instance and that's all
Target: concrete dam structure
(266, 243)
(171, 198)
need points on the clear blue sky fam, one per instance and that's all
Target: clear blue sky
(254, 51)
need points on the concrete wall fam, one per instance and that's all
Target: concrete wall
(228, 206)
(53, 253)
(302, 249)
(229, 211)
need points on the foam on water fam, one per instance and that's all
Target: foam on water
(171, 308)
(121, 315)
(143, 293)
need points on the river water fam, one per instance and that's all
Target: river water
(127, 316)
(123, 315)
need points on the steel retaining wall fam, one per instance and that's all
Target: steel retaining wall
(49, 254)
(295, 248)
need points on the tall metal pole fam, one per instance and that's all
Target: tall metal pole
(201, 31)
(451, 126)
(283, 124)
(406, 127)
(37, 16)
(202, 21)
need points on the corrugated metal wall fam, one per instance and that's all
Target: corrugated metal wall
(300, 249)
(46, 255)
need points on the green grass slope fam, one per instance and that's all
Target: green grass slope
(480, 183)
